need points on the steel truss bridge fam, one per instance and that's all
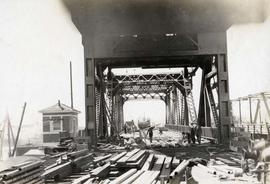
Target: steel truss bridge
(187, 34)
(255, 125)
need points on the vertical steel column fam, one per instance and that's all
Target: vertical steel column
(250, 110)
(174, 95)
(178, 96)
(167, 104)
(202, 101)
(240, 111)
(121, 109)
(102, 123)
(90, 105)
(117, 111)
(169, 107)
(110, 101)
(223, 99)
(186, 113)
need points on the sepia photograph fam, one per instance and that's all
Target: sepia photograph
(134, 91)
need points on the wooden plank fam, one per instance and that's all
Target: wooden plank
(133, 177)
(101, 171)
(77, 154)
(124, 176)
(81, 179)
(159, 163)
(226, 161)
(117, 157)
(147, 177)
(99, 159)
(139, 163)
(123, 160)
(175, 162)
(149, 163)
(59, 171)
(136, 156)
(166, 170)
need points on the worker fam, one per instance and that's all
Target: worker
(150, 132)
(72, 146)
(192, 134)
(198, 131)
(160, 131)
(125, 128)
(185, 139)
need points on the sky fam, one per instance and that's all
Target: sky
(37, 42)
(38, 39)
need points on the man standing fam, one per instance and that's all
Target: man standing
(198, 131)
(192, 134)
(150, 132)
(125, 128)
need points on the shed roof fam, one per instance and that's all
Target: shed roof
(59, 108)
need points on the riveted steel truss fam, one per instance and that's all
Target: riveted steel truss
(111, 91)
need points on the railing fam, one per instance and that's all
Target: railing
(252, 128)
(208, 132)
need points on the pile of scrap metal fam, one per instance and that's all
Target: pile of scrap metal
(26, 172)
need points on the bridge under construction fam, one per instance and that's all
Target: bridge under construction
(158, 34)
(182, 42)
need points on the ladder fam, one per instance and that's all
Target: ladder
(191, 108)
(190, 102)
(182, 117)
(98, 100)
(212, 103)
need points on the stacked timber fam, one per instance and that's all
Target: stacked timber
(110, 148)
(149, 163)
(122, 161)
(159, 162)
(148, 177)
(166, 169)
(26, 172)
(67, 164)
(101, 171)
(134, 166)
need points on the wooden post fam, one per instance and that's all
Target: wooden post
(19, 130)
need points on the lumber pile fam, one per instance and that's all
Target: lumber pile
(67, 164)
(110, 148)
(135, 166)
(26, 172)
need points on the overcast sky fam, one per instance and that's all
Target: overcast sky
(38, 39)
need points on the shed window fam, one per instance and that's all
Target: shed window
(56, 123)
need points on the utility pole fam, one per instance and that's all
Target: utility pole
(19, 130)
(71, 87)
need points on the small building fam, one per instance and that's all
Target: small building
(59, 119)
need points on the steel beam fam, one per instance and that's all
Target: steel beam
(90, 102)
(223, 99)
